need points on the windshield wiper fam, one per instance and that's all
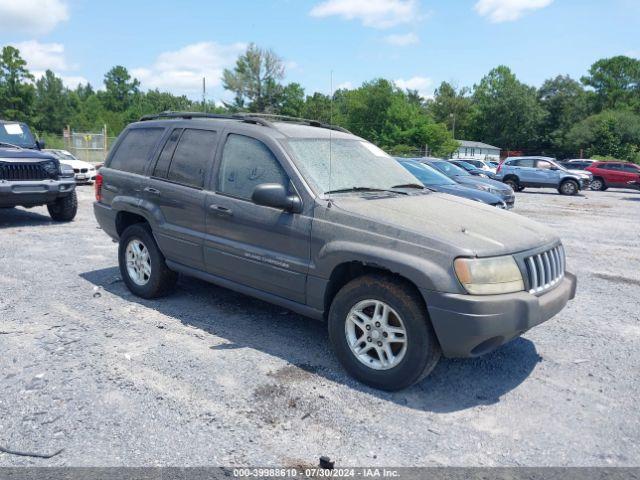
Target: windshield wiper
(362, 189)
(410, 185)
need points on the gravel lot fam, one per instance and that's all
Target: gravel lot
(210, 377)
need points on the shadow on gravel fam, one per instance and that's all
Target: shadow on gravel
(17, 217)
(245, 322)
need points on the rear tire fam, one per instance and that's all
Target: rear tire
(569, 187)
(410, 360)
(598, 184)
(514, 184)
(142, 264)
(64, 209)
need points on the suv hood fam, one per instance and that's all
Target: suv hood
(22, 156)
(468, 227)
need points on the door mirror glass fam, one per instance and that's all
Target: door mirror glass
(275, 195)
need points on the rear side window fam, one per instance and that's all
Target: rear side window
(164, 160)
(192, 157)
(528, 163)
(247, 163)
(134, 151)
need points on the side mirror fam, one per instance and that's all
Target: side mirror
(275, 195)
(40, 144)
(554, 168)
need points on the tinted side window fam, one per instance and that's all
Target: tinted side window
(135, 149)
(192, 157)
(631, 168)
(522, 163)
(247, 163)
(164, 160)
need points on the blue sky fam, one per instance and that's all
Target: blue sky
(417, 43)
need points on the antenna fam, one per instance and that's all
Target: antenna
(330, 131)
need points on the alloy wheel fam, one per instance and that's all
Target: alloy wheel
(138, 262)
(376, 334)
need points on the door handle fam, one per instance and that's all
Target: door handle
(220, 210)
(110, 187)
(152, 190)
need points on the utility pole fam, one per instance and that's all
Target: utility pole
(204, 95)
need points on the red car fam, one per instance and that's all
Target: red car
(614, 174)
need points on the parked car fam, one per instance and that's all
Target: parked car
(576, 164)
(461, 176)
(322, 222)
(479, 164)
(84, 172)
(30, 177)
(473, 170)
(542, 172)
(439, 182)
(613, 174)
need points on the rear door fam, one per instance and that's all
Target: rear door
(176, 191)
(124, 172)
(525, 171)
(260, 247)
(616, 175)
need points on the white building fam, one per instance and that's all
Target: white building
(477, 151)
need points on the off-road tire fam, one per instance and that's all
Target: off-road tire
(423, 350)
(162, 279)
(569, 187)
(64, 209)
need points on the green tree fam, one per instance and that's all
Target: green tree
(291, 100)
(565, 102)
(611, 133)
(454, 108)
(120, 89)
(255, 80)
(51, 104)
(507, 112)
(616, 82)
(16, 90)
(318, 107)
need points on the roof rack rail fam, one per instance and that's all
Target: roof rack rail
(185, 115)
(302, 121)
(257, 118)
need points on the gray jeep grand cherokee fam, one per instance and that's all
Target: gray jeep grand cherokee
(322, 222)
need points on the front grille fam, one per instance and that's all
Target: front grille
(26, 171)
(545, 269)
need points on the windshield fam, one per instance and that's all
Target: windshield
(354, 164)
(451, 170)
(426, 174)
(16, 134)
(466, 165)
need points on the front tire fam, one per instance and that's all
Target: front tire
(569, 187)
(64, 209)
(381, 333)
(514, 184)
(142, 264)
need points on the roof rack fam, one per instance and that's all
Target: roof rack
(301, 121)
(257, 118)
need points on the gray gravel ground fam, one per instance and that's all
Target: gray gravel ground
(210, 377)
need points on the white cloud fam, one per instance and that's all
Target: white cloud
(633, 53)
(345, 86)
(32, 16)
(508, 10)
(422, 84)
(402, 40)
(372, 13)
(42, 56)
(48, 56)
(181, 71)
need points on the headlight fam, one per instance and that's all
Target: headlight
(66, 170)
(489, 276)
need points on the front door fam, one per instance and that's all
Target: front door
(260, 247)
(176, 193)
(545, 175)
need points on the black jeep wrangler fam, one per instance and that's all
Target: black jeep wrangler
(30, 177)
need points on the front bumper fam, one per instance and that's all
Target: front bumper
(31, 193)
(472, 325)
